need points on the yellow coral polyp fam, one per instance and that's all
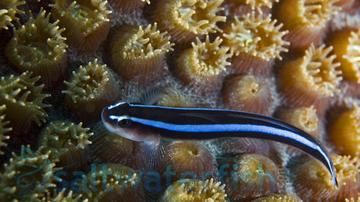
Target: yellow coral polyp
(307, 20)
(311, 78)
(111, 148)
(86, 22)
(172, 97)
(278, 198)
(256, 3)
(346, 45)
(304, 118)
(195, 190)
(248, 93)
(66, 196)
(312, 180)
(62, 138)
(204, 63)
(4, 128)
(9, 9)
(183, 157)
(24, 100)
(147, 42)
(344, 132)
(27, 176)
(38, 46)
(90, 88)
(253, 175)
(139, 52)
(256, 36)
(108, 182)
(185, 19)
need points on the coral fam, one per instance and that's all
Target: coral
(307, 22)
(353, 199)
(252, 175)
(241, 8)
(346, 5)
(111, 148)
(184, 19)
(66, 140)
(27, 177)
(108, 182)
(257, 3)
(9, 9)
(344, 131)
(255, 41)
(138, 53)
(312, 181)
(346, 45)
(248, 93)
(24, 100)
(173, 97)
(311, 79)
(65, 196)
(3, 128)
(195, 190)
(128, 5)
(278, 198)
(90, 88)
(38, 46)
(204, 64)
(187, 160)
(86, 22)
(304, 118)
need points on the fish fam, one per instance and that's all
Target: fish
(150, 123)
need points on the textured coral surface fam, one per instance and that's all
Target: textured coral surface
(62, 61)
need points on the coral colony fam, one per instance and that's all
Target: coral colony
(62, 61)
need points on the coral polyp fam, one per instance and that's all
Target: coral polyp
(4, 128)
(24, 100)
(173, 97)
(128, 5)
(180, 65)
(307, 21)
(312, 182)
(110, 182)
(27, 176)
(187, 160)
(248, 93)
(90, 88)
(311, 79)
(255, 41)
(64, 139)
(344, 131)
(257, 3)
(304, 118)
(195, 190)
(138, 53)
(346, 45)
(204, 64)
(39, 47)
(184, 19)
(252, 176)
(278, 198)
(64, 196)
(243, 7)
(86, 22)
(9, 9)
(111, 148)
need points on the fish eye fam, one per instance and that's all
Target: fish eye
(124, 123)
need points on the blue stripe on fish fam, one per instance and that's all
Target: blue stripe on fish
(207, 123)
